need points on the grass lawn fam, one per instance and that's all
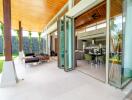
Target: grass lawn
(1, 65)
(1, 62)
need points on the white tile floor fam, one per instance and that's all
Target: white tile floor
(47, 82)
(95, 71)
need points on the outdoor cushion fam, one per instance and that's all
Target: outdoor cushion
(32, 60)
(29, 54)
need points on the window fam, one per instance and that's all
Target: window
(81, 30)
(91, 28)
(101, 25)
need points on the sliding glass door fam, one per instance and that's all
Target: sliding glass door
(66, 43)
(69, 43)
(61, 38)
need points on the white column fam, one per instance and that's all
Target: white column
(107, 40)
(70, 4)
(9, 76)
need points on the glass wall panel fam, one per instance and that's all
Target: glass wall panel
(127, 41)
(116, 43)
(115, 50)
(120, 60)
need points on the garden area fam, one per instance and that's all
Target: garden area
(2, 60)
(32, 43)
(1, 64)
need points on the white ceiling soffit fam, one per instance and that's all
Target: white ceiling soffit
(81, 7)
(92, 34)
(52, 28)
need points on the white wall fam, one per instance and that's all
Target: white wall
(79, 45)
(52, 28)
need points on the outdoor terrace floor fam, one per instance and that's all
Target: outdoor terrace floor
(47, 82)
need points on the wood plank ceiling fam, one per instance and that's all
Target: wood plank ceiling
(34, 14)
(98, 13)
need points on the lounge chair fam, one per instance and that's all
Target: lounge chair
(32, 60)
(29, 54)
(37, 58)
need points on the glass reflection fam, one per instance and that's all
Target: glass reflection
(115, 50)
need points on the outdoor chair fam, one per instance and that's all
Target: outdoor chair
(101, 59)
(31, 60)
(88, 57)
(43, 57)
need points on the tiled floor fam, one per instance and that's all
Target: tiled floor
(47, 82)
(95, 71)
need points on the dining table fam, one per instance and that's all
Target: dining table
(95, 55)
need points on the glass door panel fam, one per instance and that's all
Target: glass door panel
(69, 43)
(61, 39)
(116, 45)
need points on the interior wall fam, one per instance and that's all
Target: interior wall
(54, 42)
(79, 45)
(54, 37)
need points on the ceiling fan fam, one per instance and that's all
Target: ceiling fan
(95, 16)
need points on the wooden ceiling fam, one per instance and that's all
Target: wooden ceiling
(76, 1)
(98, 13)
(116, 7)
(34, 14)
